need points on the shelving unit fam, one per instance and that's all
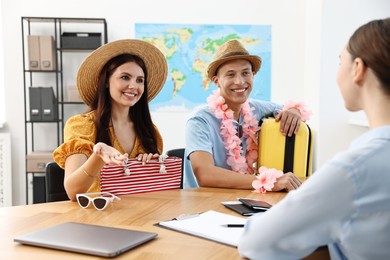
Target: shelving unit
(46, 135)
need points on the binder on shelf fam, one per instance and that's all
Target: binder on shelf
(47, 52)
(48, 104)
(34, 60)
(43, 104)
(35, 104)
(39, 189)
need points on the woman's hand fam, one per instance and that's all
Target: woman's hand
(146, 157)
(109, 154)
(287, 182)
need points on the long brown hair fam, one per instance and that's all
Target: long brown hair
(371, 43)
(139, 113)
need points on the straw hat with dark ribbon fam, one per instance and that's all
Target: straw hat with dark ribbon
(155, 62)
(232, 50)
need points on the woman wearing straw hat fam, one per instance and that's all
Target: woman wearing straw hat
(346, 203)
(221, 137)
(116, 81)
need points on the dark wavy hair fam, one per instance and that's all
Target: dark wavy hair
(139, 113)
(371, 43)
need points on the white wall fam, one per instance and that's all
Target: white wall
(339, 20)
(299, 49)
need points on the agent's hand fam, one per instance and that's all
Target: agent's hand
(287, 182)
(290, 121)
(146, 157)
(109, 154)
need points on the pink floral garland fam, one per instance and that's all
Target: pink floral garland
(228, 131)
(265, 180)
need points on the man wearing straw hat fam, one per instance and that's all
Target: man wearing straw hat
(116, 82)
(221, 138)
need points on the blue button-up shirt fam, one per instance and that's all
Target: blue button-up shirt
(345, 205)
(203, 134)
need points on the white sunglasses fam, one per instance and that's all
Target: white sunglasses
(100, 200)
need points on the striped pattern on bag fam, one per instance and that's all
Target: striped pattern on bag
(142, 178)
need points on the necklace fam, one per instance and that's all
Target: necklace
(228, 131)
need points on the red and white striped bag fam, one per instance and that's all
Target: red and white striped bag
(164, 173)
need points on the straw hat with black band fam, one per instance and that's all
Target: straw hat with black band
(232, 50)
(155, 62)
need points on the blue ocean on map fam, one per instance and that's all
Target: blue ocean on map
(189, 49)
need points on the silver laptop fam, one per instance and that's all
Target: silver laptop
(87, 239)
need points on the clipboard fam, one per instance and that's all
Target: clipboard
(211, 225)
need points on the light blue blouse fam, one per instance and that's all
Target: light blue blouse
(202, 134)
(345, 205)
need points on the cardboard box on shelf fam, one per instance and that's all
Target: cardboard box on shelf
(73, 94)
(34, 60)
(41, 52)
(47, 50)
(37, 160)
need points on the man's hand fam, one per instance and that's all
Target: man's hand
(290, 121)
(287, 182)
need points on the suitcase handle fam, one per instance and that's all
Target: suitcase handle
(288, 165)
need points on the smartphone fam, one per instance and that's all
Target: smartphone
(255, 204)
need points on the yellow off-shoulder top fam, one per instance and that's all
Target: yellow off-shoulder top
(79, 137)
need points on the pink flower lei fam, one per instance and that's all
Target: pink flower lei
(228, 131)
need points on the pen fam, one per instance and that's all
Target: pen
(234, 225)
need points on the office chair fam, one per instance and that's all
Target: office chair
(54, 181)
(179, 152)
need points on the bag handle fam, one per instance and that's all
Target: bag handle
(161, 159)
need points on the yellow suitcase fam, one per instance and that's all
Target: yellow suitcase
(288, 154)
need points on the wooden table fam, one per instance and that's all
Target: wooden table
(137, 212)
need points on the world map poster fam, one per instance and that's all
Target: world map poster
(189, 48)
